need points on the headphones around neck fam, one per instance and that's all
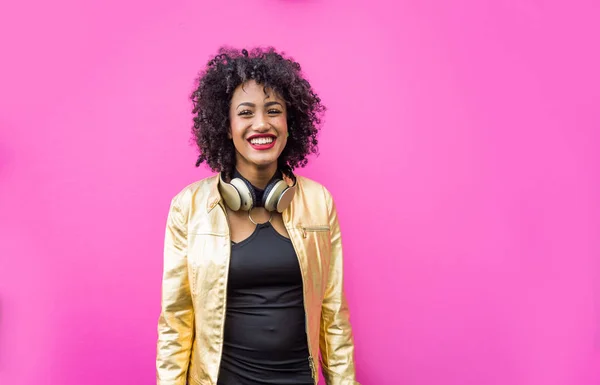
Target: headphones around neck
(239, 194)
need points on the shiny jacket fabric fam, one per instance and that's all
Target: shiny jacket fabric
(196, 264)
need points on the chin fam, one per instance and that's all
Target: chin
(262, 162)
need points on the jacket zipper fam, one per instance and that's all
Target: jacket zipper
(312, 366)
(306, 229)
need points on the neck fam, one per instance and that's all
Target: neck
(259, 177)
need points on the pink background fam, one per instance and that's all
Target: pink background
(460, 144)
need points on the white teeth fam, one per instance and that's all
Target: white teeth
(261, 140)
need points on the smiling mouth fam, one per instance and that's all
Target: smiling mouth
(262, 140)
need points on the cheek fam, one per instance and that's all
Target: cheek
(282, 124)
(236, 129)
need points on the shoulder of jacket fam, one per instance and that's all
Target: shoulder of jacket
(312, 188)
(195, 191)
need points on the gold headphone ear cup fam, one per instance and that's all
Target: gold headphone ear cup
(246, 196)
(272, 195)
(230, 194)
(285, 198)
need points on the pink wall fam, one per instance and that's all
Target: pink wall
(471, 130)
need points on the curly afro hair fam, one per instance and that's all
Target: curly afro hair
(211, 101)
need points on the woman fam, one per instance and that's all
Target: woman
(252, 286)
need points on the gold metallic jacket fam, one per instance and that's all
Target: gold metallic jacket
(196, 265)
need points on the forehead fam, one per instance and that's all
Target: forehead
(251, 90)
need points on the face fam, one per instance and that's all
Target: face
(258, 127)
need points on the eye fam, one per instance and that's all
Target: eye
(274, 111)
(244, 113)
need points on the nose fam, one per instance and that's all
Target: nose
(260, 125)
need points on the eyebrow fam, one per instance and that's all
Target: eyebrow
(268, 104)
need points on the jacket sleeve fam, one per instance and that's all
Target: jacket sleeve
(336, 339)
(176, 321)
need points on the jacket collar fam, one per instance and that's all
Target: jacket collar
(214, 196)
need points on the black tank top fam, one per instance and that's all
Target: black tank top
(265, 338)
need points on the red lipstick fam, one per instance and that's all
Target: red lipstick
(262, 146)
